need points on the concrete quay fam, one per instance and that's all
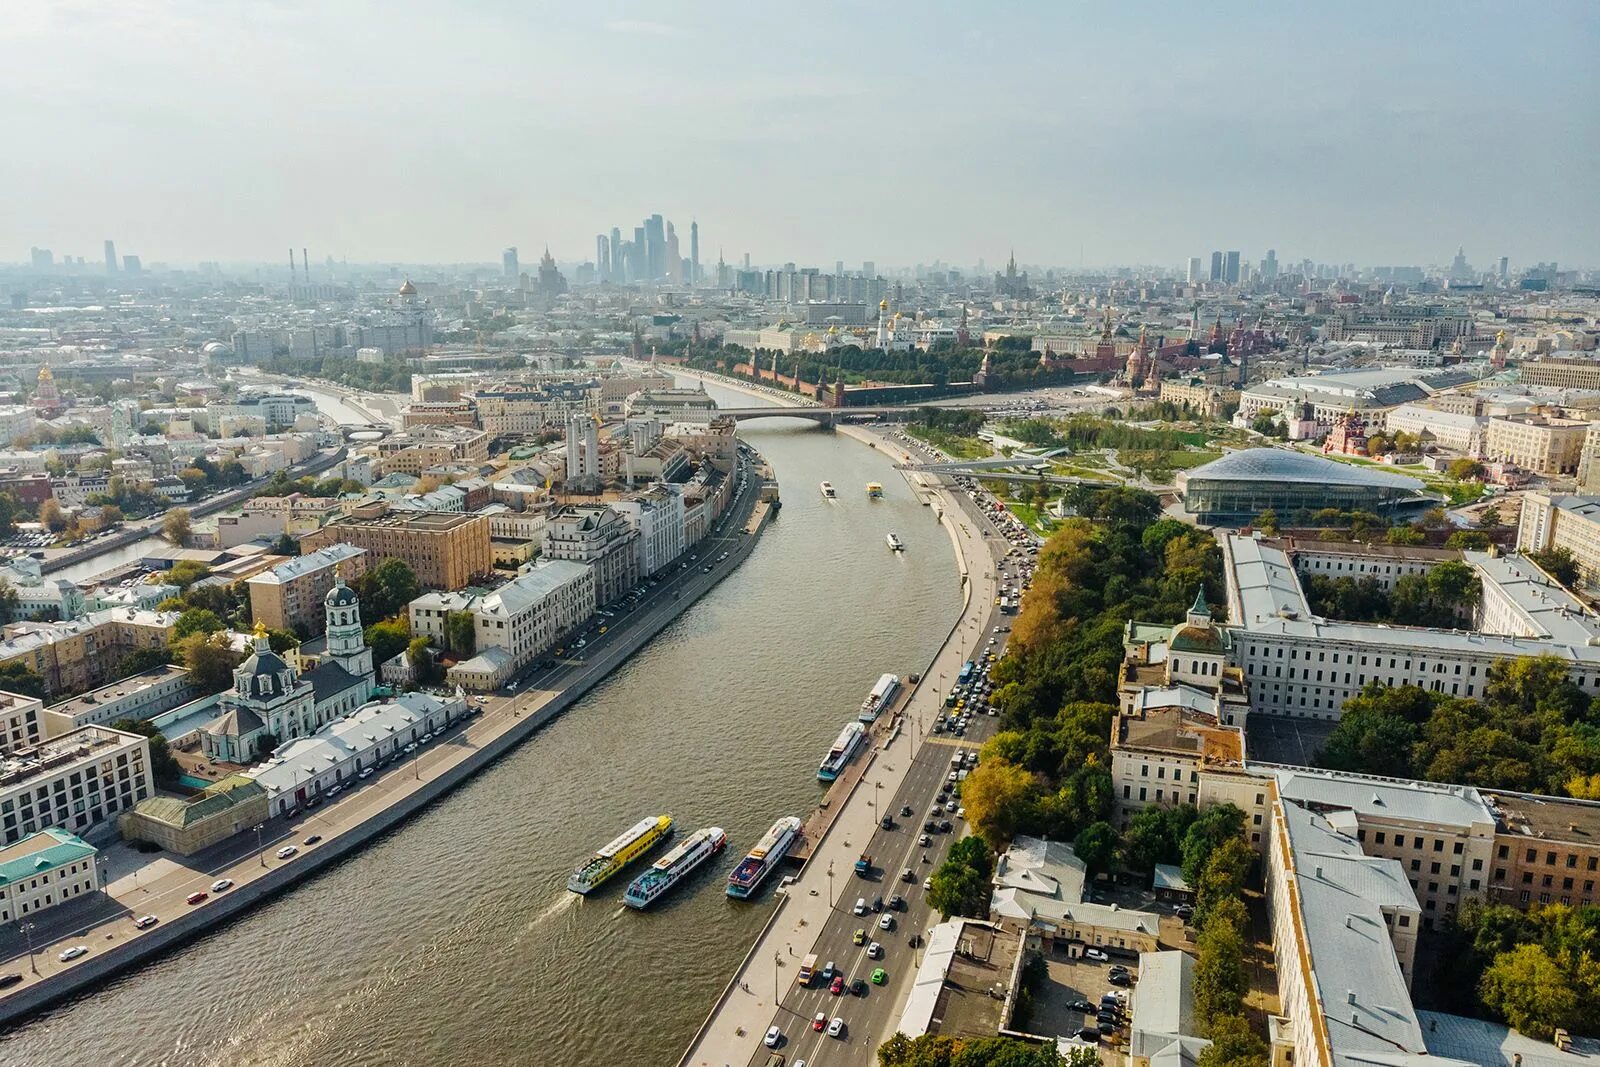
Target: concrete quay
(755, 996)
(104, 924)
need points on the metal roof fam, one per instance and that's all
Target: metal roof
(1287, 465)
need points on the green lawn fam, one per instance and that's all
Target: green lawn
(1031, 516)
(956, 445)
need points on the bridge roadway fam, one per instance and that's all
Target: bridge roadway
(816, 913)
(822, 415)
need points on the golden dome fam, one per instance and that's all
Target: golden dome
(46, 374)
(407, 289)
(883, 305)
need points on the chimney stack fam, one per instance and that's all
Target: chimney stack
(291, 265)
(305, 264)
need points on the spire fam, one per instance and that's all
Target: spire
(1200, 611)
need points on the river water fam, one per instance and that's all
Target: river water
(453, 941)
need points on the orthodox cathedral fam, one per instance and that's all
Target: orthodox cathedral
(270, 697)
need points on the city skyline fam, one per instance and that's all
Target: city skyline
(1334, 140)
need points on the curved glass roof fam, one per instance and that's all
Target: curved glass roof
(1284, 465)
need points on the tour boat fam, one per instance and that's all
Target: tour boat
(895, 544)
(842, 752)
(623, 850)
(761, 860)
(827, 490)
(672, 868)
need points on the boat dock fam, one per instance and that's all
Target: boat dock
(821, 820)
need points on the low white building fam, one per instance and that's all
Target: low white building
(38, 595)
(43, 870)
(371, 736)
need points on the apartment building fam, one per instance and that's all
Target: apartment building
(1562, 372)
(527, 409)
(658, 515)
(73, 782)
(429, 611)
(289, 596)
(1544, 444)
(414, 451)
(597, 535)
(21, 721)
(524, 619)
(445, 551)
(1459, 432)
(1569, 522)
(1546, 850)
(43, 870)
(84, 653)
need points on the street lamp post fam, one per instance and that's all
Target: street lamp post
(261, 853)
(830, 884)
(27, 931)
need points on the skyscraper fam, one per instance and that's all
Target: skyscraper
(111, 257)
(694, 252)
(1269, 266)
(618, 274)
(1230, 271)
(1194, 269)
(869, 269)
(602, 258)
(639, 262)
(509, 265)
(655, 246)
(1504, 263)
(672, 261)
(1216, 266)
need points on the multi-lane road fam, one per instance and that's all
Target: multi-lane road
(872, 1018)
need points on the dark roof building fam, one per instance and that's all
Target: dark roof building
(1241, 485)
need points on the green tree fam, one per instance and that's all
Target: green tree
(386, 589)
(460, 635)
(420, 656)
(18, 677)
(1222, 883)
(163, 764)
(140, 660)
(1220, 982)
(1532, 993)
(1468, 540)
(1096, 846)
(1267, 522)
(284, 546)
(1404, 535)
(176, 526)
(388, 638)
(1489, 517)
(1209, 830)
(210, 658)
(999, 798)
(185, 573)
(1465, 470)
(1233, 1044)
(196, 621)
(281, 641)
(1558, 563)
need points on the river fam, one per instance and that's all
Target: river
(453, 941)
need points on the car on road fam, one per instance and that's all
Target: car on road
(820, 1022)
(828, 971)
(859, 937)
(924, 840)
(879, 976)
(836, 1028)
(195, 897)
(886, 921)
(73, 953)
(897, 903)
(144, 922)
(774, 1037)
(858, 988)
(365, 773)
(874, 951)
(287, 852)
(8, 980)
(905, 811)
(313, 839)
(1096, 955)
(222, 885)
(836, 987)
(927, 883)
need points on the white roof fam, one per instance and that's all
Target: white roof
(525, 591)
(342, 739)
(311, 561)
(943, 940)
(1047, 869)
(1455, 806)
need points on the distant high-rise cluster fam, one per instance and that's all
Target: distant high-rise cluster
(653, 256)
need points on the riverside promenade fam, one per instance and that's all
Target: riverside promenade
(141, 885)
(751, 998)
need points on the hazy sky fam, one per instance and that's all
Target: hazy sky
(1095, 134)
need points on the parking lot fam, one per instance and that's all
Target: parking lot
(1070, 986)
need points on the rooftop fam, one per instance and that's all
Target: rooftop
(322, 558)
(1495, 1045)
(1165, 727)
(123, 687)
(528, 589)
(40, 852)
(1548, 818)
(1365, 1004)
(1459, 807)
(82, 745)
(1290, 465)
